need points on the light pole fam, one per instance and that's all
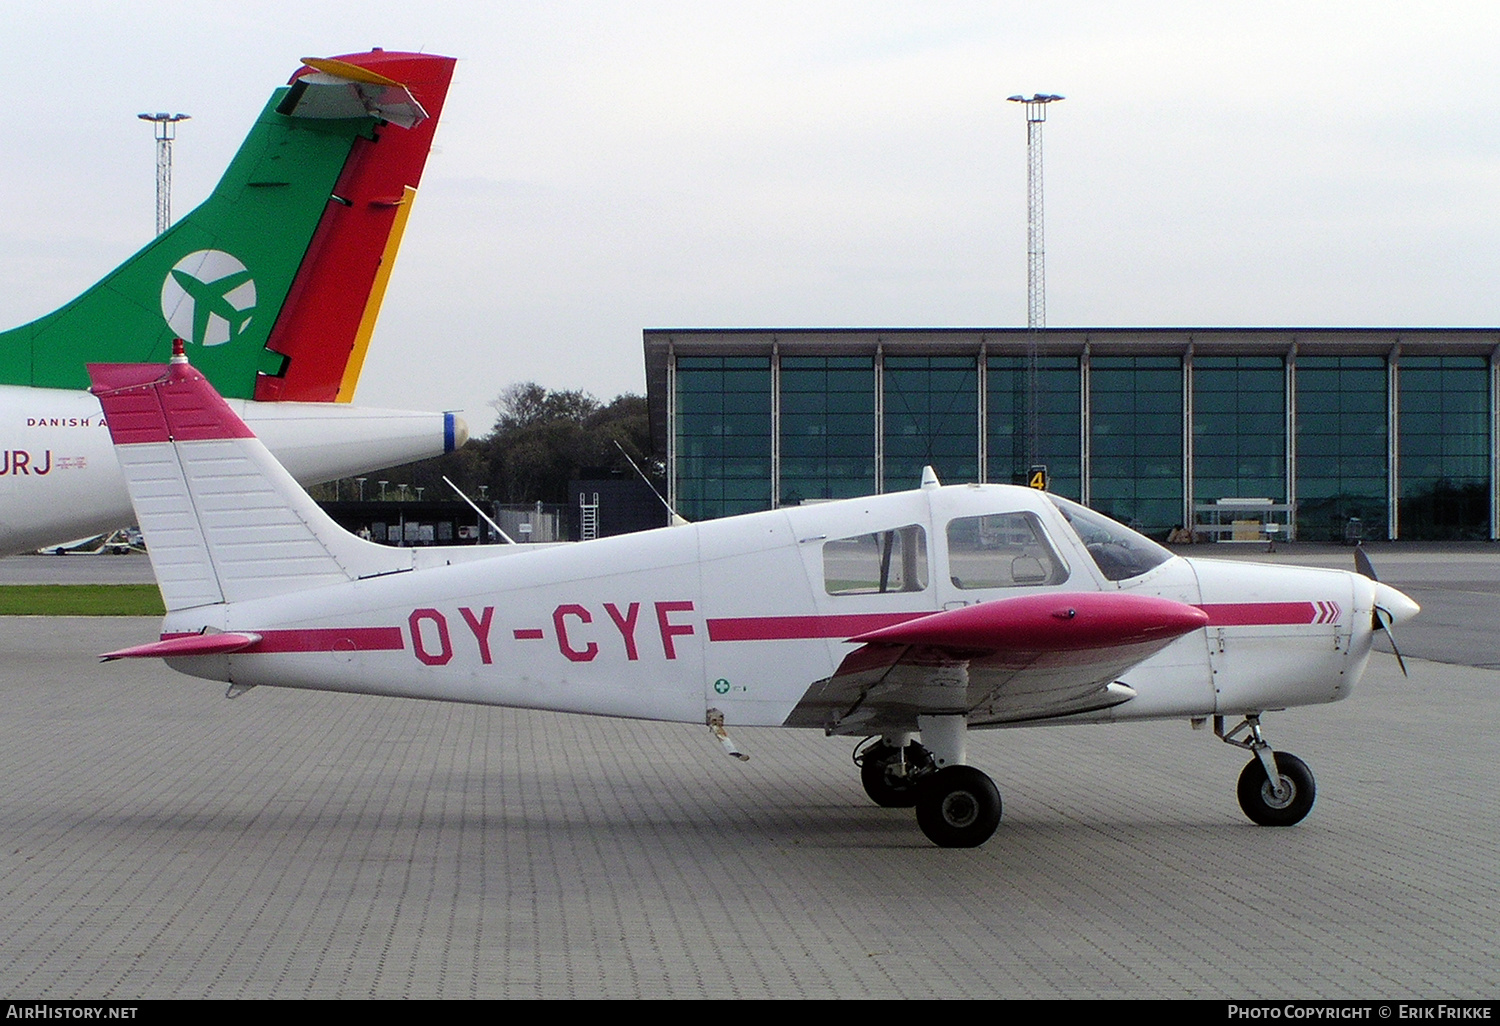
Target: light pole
(166, 131)
(1036, 257)
(1036, 248)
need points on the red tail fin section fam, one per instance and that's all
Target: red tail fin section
(330, 314)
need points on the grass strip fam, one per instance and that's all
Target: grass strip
(80, 600)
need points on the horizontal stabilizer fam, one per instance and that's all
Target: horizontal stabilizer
(188, 645)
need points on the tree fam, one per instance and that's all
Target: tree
(540, 441)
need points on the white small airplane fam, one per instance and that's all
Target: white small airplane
(927, 613)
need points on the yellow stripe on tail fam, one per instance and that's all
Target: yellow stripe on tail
(372, 304)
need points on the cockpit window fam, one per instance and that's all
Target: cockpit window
(1119, 552)
(1002, 550)
(877, 563)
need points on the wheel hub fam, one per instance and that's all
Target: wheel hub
(1281, 800)
(960, 809)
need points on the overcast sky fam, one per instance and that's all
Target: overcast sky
(604, 167)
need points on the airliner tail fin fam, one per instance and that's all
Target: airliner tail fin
(276, 279)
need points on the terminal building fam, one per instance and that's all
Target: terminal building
(1332, 433)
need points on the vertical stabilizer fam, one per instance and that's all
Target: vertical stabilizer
(224, 522)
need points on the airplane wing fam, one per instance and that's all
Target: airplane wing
(1006, 661)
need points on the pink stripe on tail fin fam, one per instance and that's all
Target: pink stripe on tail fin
(146, 402)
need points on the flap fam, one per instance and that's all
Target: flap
(1008, 661)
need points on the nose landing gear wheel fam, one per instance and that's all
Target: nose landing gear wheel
(880, 773)
(958, 807)
(1261, 802)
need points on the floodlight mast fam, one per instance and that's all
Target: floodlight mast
(1036, 248)
(1036, 256)
(166, 132)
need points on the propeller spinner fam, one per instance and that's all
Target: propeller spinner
(1391, 606)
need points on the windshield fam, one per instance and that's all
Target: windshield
(1118, 551)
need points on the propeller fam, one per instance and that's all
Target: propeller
(1383, 616)
(1382, 619)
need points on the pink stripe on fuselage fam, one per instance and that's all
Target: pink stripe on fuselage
(327, 639)
(801, 628)
(1260, 614)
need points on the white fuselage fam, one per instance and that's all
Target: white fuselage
(60, 480)
(743, 615)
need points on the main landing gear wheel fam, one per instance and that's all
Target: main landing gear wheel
(1261, 802)
(958, 807)
(886, 781)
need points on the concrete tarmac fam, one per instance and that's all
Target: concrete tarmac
(159, 841)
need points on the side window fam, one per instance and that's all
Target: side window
(1003, 550)
(874, 564)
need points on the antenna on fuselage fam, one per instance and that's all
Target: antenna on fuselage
(508, 539)
(678, 520)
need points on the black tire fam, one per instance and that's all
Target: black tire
(1260, 802)
(958, 807)
(887, 788)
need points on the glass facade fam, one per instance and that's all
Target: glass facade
(723, 435)
(1239, 428)
(1341, 447)
(1444, 446)
(1058, 410)
(1135, 440)
(827, 427)
(751, 432)
(931, 418)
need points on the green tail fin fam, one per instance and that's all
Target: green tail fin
(220, 276)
